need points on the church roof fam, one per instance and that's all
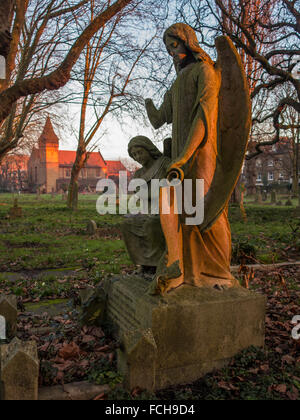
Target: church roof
(115, 166)
(48, 135)
(67, 158)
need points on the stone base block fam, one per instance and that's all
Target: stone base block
(179, 338)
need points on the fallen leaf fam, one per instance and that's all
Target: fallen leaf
(69, 351)
(280, 388)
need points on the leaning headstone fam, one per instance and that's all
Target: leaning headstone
(15, 212)
(273, 197)
(19, 371)
(91, 227)
(9, 311)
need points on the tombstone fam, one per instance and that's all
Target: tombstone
(52, 193)
(8, 309)
(264, 196)
(273, 197)
(38, 194)
(15, 212)
(279, 203)
(19, 371)
(64, 196)
(258, 198)
(91, 227)
(289, 202)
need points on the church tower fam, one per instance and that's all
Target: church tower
(49, 157)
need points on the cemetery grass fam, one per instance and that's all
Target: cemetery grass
(49, 236)
(55, 258)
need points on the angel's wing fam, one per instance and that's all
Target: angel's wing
(234, 130)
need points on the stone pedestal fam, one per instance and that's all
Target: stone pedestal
(181, 337)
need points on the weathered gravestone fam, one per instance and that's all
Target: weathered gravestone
(264, 196)
(91, 227)
(15, 212)
(193, 316)
(19, 371)
(273, 197)
(258, 198)
(8, 309)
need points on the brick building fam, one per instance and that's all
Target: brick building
(274, 167)
(50, 168)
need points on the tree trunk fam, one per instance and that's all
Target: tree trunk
(236, 195)
(295, 187)
(6, 8)
(73, 195)
(81, 158)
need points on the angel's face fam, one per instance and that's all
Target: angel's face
(142, 156)
(176, 49)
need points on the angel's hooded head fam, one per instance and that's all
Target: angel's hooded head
(142, 150)
(188, 48)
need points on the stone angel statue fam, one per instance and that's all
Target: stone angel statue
(210, 111)
(142, 233)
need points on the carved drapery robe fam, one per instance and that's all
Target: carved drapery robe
(143, 234)
(191, 102)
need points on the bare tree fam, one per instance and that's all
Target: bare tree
(108, 73)
(277, 60)
(58, 73)
(267, 34)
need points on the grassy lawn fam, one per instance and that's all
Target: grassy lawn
(50, 236)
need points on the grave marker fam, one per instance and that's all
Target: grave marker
(91, 227)
(8, 310)
(19, 371)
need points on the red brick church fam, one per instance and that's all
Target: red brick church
(49, 168)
